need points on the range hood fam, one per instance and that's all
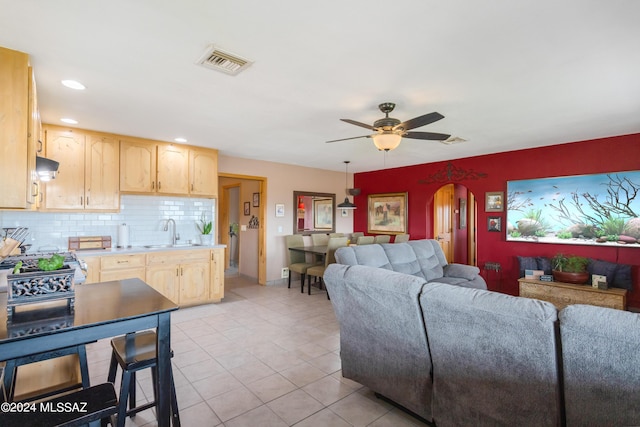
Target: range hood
(46, 168)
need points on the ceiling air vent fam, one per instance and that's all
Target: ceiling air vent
(220, 60)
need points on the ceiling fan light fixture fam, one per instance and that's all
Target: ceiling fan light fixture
(386, 140)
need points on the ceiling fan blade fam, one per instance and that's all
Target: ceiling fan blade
(363, 125)
(420, 121)
(346, 139)
(426, 135)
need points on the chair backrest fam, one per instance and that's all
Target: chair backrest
(401, 238)
(385, 238)
(355, 235)
(295, 241)
(365, 240)
(505, 351)
(600, 365)
(332, 246)
(320, 239)
(336, 234)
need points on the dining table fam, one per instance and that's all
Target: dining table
(102, 310)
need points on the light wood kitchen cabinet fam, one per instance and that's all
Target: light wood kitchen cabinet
(182, 276)
(216, 289)
(154, 168)
(203, 172)
(88, 174)
(118, 267)
(93, 269)
(17, 159)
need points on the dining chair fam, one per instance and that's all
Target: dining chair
(401, 238)
(319, 239)
(355, 235)
(384, 238)
(297, 261)
(365, 240)
(329, 258)
(336, 234)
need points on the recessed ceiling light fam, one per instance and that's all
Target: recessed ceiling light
(69, 121)
(73, 84)
(180, 140)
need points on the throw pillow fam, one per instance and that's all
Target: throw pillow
(527, 263)
(622, 278)
(603, 268)
(544, 264)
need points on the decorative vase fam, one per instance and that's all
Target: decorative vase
(206, 239)
(573, 278)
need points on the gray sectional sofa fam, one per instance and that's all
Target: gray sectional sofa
(464, 356)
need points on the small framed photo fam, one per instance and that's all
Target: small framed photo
(494, 201)
(344, 212)
(256, 200)
(494, 223)
(279, 209)
(247, 208)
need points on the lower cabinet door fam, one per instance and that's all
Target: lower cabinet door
(194, 283)
(166, 280)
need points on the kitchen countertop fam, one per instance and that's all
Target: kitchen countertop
(142, 249)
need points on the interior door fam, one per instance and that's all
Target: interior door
(443, 219)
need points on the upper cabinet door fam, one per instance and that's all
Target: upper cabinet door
(14, 116)
(102, 177)
(137, 167)
(66, 191)
(203, 172)
(173, 169)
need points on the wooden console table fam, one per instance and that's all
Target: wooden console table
(564, 294)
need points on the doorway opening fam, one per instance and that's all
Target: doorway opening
(242, 225)
(454, 223)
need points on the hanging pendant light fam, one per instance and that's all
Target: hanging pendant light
(346, 204)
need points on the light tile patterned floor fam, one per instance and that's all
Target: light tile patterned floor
(264, 356)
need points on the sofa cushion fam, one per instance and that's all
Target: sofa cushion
(601, 366)
(494, 356)
(369, 255)
(402, 258)
(431, 261)
(383, 344)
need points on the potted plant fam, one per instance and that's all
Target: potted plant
(570, 269)
(205, 227)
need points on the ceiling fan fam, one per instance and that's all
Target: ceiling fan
(390, 131)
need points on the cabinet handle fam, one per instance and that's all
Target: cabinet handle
(35, 189)
(153, 185)
(159, 185)
(87, 200)
(39, 147)
(191, 187)
(81, 201)
(177, 272)
(181, 272)
(123, 261)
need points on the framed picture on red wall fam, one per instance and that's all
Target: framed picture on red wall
(494, 201)
(494, 223)
(387, 213)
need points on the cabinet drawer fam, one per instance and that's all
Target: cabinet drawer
(122, 261)
(178, 257)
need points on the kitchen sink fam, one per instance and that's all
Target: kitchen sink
(177, 245)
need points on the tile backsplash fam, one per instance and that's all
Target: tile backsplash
(145, 216)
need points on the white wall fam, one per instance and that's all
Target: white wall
(145, 216)
(282, 181)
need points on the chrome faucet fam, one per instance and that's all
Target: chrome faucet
(174, 236)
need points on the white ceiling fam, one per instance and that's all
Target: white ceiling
(505, 74)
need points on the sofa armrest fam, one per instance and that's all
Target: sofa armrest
(463, 271)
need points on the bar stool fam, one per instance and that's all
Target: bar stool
(134, 352)
(10, 377)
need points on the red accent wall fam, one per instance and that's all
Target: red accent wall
(621, 153)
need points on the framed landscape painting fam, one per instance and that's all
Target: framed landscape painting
(323, 218)
(387, 213)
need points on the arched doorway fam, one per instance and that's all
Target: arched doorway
(454, 223)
